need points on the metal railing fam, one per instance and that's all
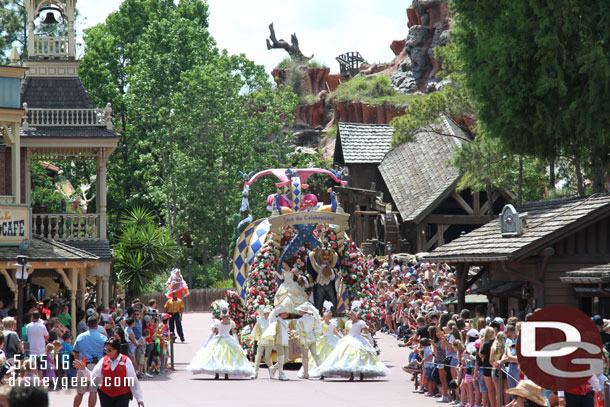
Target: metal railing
(51, 46)
(67, 226)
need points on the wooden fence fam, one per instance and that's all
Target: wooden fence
(196, 301)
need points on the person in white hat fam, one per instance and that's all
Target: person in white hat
(354, 355)
(278, 333)
(222, 354)
(263, 346)
(328, 341)
(308, 329)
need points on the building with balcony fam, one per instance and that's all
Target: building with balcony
(46, 114)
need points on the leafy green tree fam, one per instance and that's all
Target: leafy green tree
(191, 118)
(540, 75)
(143, 250)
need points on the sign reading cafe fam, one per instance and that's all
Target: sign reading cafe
(15, 225)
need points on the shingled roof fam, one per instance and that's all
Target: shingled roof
(364, 143)
(47, 250)
(546, 222)
(55, 93)
(418, 174)
(100, 248)
(68, 132)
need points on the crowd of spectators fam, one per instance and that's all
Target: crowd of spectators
(467, 357)
(44, 351)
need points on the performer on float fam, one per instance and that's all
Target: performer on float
(278, 333)
(322, 269)
(291, 292)
(326, 343)
(308, 329)
(354, 355)
(222, 354)
(264, 347)
(176, 284)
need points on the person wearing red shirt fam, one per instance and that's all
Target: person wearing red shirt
(115, 376)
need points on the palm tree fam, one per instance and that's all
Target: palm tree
(143, 250)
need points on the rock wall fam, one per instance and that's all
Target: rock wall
(362, 112)
(428, 28)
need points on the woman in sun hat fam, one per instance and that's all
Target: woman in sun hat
(528, 394)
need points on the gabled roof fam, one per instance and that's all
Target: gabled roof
(47, 249)
(364, 143)
(55, 93)
(418, 174)
(68, 132)
(546, 222)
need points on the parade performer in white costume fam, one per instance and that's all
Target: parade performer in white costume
(278, 333)
(264, 347)
(222, 354)
(308, 329)
(354, 355)
(291, 292)
(328, 341)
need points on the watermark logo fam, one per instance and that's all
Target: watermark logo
(560, 348)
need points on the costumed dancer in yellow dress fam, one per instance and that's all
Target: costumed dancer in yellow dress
(222, 354)
(354, 355)
(291, 292)
(264, 347)
(308, 329)
(277, 331)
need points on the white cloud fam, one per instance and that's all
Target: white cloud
(325, 28)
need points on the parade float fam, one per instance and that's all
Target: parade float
(301, 252)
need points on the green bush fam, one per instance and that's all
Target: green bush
(375, 90)
(224, 284)
(332, 131)
(288, 63)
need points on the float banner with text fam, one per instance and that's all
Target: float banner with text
(298, 218)
(15, 225)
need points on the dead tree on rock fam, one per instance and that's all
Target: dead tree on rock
(292, 49)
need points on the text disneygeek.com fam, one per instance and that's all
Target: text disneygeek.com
(65, 383)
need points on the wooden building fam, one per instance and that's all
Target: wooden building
(554, 252)
(359, 149)
(416, 178)
(59, 123)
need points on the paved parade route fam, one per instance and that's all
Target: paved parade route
(181, 388)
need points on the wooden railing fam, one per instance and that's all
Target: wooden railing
(35, 116)
(7, 199)
(51, 46)
(65, 117)
(67, 226)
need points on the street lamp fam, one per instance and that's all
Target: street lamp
(21, 275)
(190, 272)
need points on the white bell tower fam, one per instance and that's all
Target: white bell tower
(53, 12)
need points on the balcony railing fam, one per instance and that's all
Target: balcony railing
(7, 199)
(67, 226)
(67, 117)
(51, 46)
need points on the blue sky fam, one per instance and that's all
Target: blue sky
(324, 28)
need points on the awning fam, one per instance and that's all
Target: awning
(589, 281)
(499, 287)
(470, 299)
